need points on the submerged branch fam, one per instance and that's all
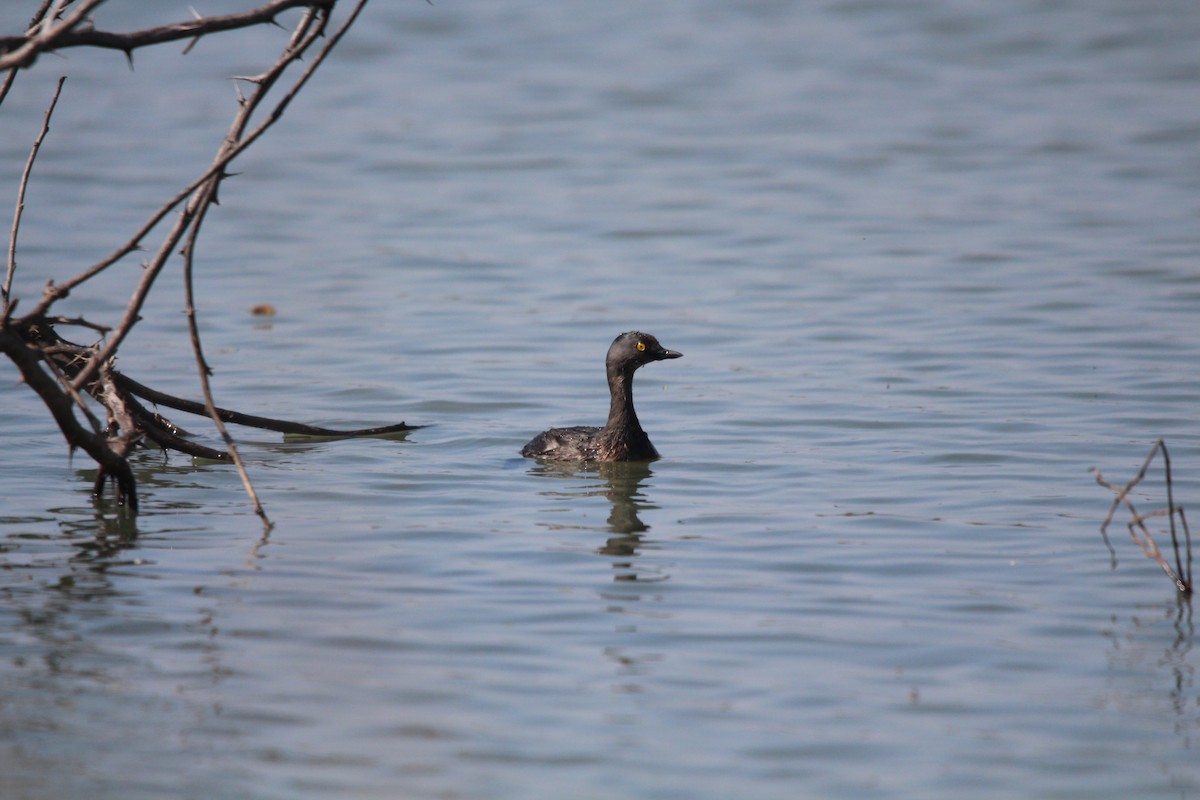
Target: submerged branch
(130, 423)
(28, 359)
(251, 421)
(68, 357)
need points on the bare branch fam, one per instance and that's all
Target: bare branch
(310, 28)
(5, 291)
(60, 405)
(55, 292)
(65, 359)
(208, 194)
(40, 14)
(34, 23)
(52, 354)
(1171, 510)
(264, 423)
(21, 51)
(30, 339)
(1181, 575)
(229, 150)
(43, 35)
(162, 431)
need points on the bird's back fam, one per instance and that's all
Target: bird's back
(575, 444)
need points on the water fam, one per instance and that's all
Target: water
(928, 263)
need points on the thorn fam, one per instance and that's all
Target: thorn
(129, 58)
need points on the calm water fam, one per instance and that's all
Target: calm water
(927, 262)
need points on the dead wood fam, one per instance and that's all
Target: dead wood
(122, 396)
(63, 373)
(46, 35)
(1181, 574)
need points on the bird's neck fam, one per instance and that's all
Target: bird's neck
(621, 415)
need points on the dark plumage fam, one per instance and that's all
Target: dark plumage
(622, 439)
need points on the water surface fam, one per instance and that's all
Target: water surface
(927, 263)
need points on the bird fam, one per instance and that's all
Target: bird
(622, 437)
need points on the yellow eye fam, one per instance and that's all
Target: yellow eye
(641, 346)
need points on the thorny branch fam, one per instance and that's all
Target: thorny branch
(60, 404)
(310, 29)
(1181, 575)
(205, 185)
(65, 359)
(31, 340)
(45, 35)
(6, 290)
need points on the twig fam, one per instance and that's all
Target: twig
(155, 266)
(207, 193)
(5, 291)
(1171, 515)
(249, 420)
(43, 35)
(21, 51)
(1187, 540)
(48, 354)
(55, 292)
(40, 14)
(34, 23)
(1182, 574)
(80, 322)
(310, 29)
(204, 198)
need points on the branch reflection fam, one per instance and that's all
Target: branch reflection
(1142, 646)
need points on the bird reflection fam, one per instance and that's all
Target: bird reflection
(623, 485)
